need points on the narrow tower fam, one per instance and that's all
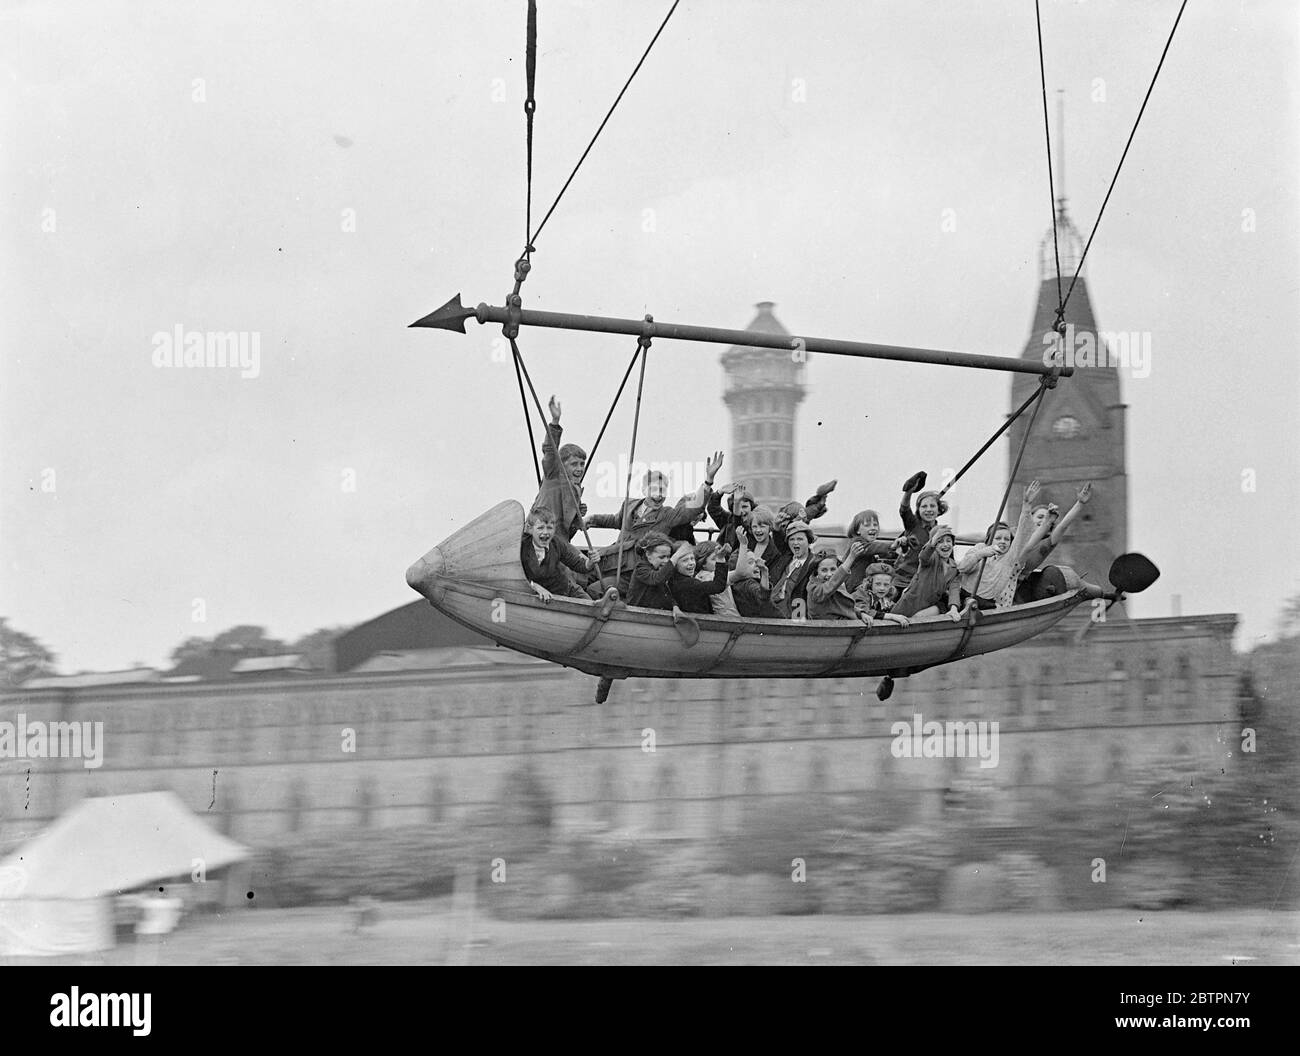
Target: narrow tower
(763, 388)
(1079, 433)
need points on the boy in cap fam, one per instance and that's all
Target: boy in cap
(562, 470)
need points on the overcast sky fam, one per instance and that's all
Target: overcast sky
(321, 175)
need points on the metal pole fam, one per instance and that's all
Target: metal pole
(452, 316)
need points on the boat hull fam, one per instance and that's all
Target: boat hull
(619, 641)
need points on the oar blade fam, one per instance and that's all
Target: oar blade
(1133, 573)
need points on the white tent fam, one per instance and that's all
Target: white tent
(56, 891)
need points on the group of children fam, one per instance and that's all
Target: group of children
(763, 562)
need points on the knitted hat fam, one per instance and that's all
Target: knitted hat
(877, 568)
(943, 506)
(794, 527)
(683, 551)
(568, 451)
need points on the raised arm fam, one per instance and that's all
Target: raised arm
(911, 486)
(1026, 534)
(1084, 494)
(551, 445)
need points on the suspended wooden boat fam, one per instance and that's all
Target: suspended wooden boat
(475, 577)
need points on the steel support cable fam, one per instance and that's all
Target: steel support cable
(610, 414)
(533, 237)
(1051, 189)
(1141, 111)
(530, 106)
(519, 360)
(989, 443)
(528, 418)
(1043, 386)
(643, 347)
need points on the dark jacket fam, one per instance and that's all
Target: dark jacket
(634, 524)
(549, 573)
(650, 587)
(693, 595)
(829, 600)
(917, 533)
(728, 522)
(752, 600)
(788, 589)
(556, 493)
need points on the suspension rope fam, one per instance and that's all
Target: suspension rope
(573, 491)
(989, 443)
(617, 396)
(1131, 134)
(528, 418)
(1043, 385)
(1051, 189)
(530, 106)
(643, 348)
(533, 237)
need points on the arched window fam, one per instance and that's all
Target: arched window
(1046, 690)
(666, 800)
(1117, 688)
(1151, 684)
(1015, 691)
(1184, 685)
(438, 800)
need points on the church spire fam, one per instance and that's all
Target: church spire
(1067, 242)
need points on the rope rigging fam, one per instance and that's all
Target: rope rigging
(1131, 134)
(643, 350)
(533, 237)
(1051, 189)
(530, 106)
(513, 312)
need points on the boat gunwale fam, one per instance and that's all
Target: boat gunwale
(835, 629)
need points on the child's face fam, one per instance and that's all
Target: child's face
(869, 529)
(880, 584)
(761, 530)
(656, 488)
(798, 544)
(944, 546)
(686, 565)
(658, 555)
(541, 531)
(826, 568)
(745, 507)
(1002, 540)
(576, 466)
(929, 508)
(1039, 516)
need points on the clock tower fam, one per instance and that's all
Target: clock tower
(1079, 433)
(762, 389)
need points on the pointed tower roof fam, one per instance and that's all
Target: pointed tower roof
(763, 323)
